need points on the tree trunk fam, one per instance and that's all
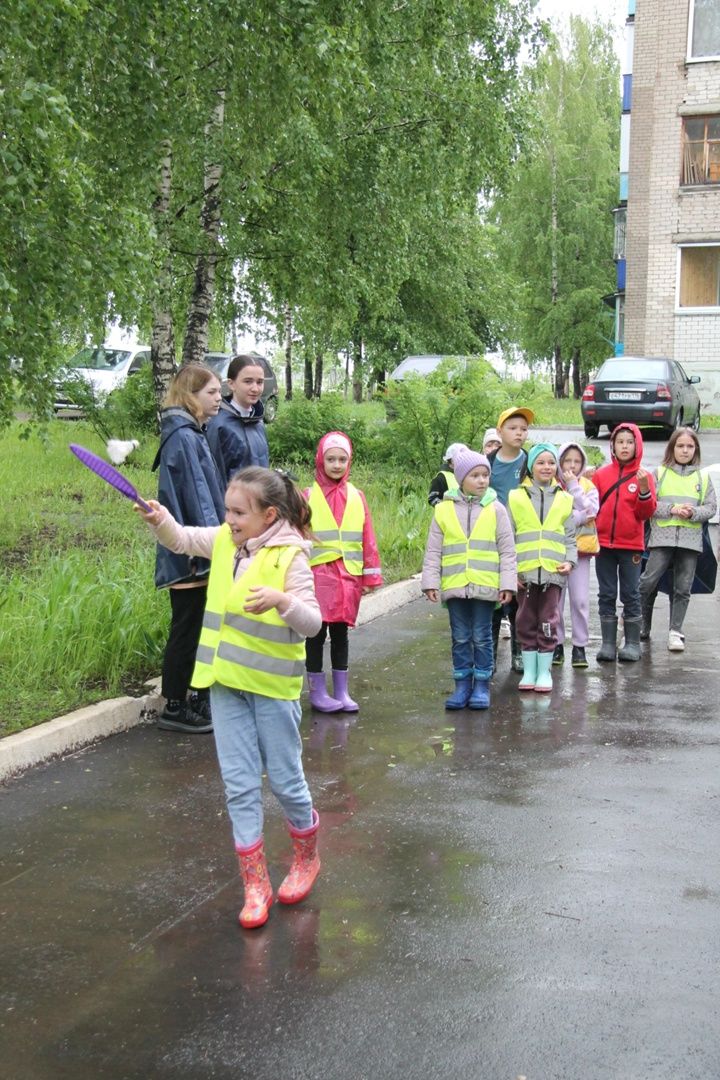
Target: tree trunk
(308, 373)
(357, 373)
(162, 342)
(288, 353)
(317, 388)
(346, 383)
(576, 379)
(558, 374)
(203, 293)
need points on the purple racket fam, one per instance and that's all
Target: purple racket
(109, 474)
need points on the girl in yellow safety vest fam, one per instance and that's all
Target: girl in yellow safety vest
(260, 608)
(470, 565)
(685, 501)
(542, 519)
(345, 565)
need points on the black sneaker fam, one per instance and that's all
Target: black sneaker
(558, 656)
(578, 656)
(200, 704)
(184, 719)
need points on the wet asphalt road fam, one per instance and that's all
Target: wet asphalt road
(529, 892)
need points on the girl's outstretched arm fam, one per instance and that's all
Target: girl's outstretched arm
(182, 539)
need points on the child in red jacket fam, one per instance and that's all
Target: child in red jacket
(627, 501)
(345, 565)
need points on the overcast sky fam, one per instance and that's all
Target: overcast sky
(614, 11)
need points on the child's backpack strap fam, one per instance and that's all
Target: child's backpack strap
(615, 486)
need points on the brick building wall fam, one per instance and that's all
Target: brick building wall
(662, 215)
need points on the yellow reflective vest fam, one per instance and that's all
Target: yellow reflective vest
(672, 488)
(329, 541)
(468, 560)
(257, 653)
(539, 544)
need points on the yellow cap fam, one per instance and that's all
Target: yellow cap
(507, 413)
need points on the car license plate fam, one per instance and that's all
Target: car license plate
(624, 396)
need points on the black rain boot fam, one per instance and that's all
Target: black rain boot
(630, 649)
(608, 649)
(647, 614)
(558, 656)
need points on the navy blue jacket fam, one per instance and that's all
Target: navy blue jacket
(190, 487)
(237, 441)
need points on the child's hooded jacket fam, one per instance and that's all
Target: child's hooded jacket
(339, 592)
(622, 515)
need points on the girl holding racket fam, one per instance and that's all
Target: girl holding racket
(260, 608)
(191, 489)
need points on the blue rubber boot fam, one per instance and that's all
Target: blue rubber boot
(529, 660)
(480, 697)
(461, 697)
(543, 679)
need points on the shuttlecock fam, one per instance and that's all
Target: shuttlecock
(120, 449)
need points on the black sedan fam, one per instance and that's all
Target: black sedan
(648, 391)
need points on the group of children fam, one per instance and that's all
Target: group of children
(512, 530)
(517, 530)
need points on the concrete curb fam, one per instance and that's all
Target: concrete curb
(88, 725)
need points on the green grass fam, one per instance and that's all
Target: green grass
(550, 412)
(80, 618)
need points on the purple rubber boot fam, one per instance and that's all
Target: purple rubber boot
(340, 691)
(319, 697)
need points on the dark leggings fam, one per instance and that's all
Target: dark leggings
(338, 647)
(187, 607)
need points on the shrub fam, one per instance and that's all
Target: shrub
(300, 424)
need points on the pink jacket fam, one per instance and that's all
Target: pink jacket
(302, 614)
(338, 592)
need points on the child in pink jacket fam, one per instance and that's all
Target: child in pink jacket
(345, 565)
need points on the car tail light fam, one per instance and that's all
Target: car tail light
(589, 393)
(663, 392)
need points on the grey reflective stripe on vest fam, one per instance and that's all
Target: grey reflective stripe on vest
(258, 661)
(317, 551)
(482, 545)
(205, 654)
(327, 534)
(453, 549)
(351, 537)
(670, 500)
(473, 564)
(212, 620)
(353, 557)
(544, 553)
(530, 537)
(282, 634)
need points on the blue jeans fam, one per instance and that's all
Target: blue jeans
(471, 631)
(615, 566)
(256, 734)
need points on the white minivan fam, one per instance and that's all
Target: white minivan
(102, 367)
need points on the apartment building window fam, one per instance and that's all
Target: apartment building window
(701, 150)
(699, 276)
(620, 215)
(704, 29)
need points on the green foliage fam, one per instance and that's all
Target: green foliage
(555, 220)
(454, 404)
(300, 424)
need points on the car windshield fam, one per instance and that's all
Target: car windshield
(99, 359)
(627, 370)
(217, 363)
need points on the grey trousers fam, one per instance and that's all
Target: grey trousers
(683, 562)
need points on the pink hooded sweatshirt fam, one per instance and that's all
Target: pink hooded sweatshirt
(339, 592)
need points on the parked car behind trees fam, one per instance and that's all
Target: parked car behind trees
(641, 390)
